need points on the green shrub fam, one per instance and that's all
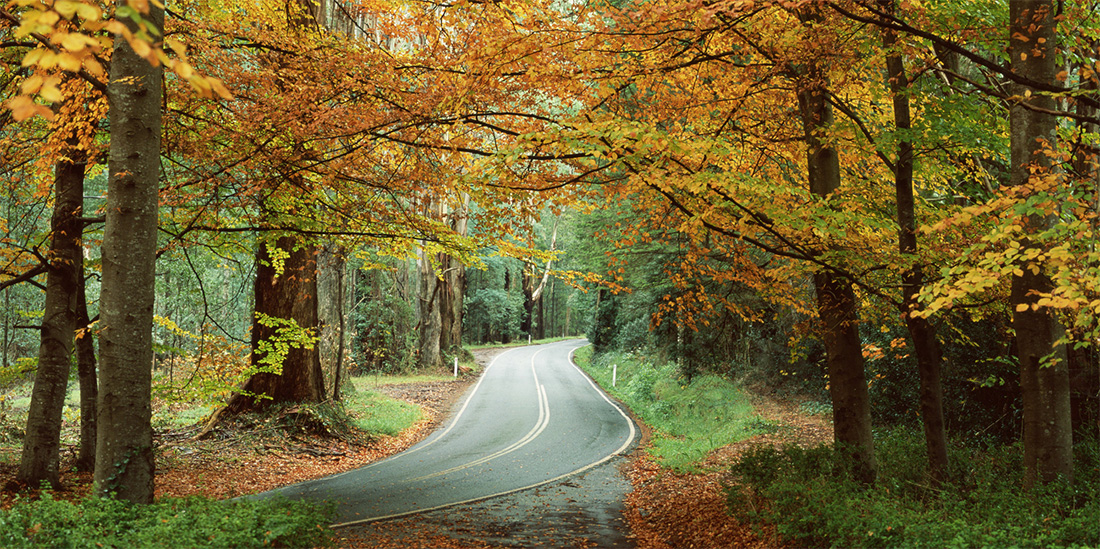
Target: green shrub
(191, 522)
(799, 492)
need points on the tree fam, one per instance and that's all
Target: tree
(836, 301)
(923, 334)
(39, 460)
(285, 356)
(1044, 378)
(124, 449)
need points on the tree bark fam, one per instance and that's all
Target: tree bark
(836, 301)
(926, 345)
(124, 448)
(454, 285)
(330, 311)
(39, 460)
(289, 295)
(431, 323)
(89, 387)
(1044, 377)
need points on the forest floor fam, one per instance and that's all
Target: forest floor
(664, 510)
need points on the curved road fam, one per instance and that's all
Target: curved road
(531, 419)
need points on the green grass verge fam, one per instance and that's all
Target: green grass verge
(377, 413)
(690, 419)
(193, 522)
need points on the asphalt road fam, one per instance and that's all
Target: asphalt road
(532, 419)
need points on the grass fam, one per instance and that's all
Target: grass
(377, 413)
(368, 382)
(690, 418)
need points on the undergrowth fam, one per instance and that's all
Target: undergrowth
(376, 413)
(799, 492)
(191, 522)
(690, 418)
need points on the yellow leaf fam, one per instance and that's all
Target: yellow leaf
(75, 41)
(50, 93)
(33, 57)
(1023, 307)
(65, 8)
(88, 12)
(141, 47)
(219, 88)
(94, 68)
(48, 60)
(184, 70)
(31, 85)
(176, 46)
(68, 61)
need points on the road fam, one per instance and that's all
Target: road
(533, 418)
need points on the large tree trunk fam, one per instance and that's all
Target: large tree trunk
(124, 449)
(453, 292)
(41, 446)
(431, 323)
(1044, 377)
(330, 310)
(837, 306)
(289, 295)
(923, 335)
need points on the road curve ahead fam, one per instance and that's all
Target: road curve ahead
(532, 418)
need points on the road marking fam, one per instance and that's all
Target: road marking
(430, 441)
(606, 458)
(540, 426)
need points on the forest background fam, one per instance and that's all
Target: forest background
(890, 206)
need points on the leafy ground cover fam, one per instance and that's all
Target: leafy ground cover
(798, 492)
(242, 455)
(690, 417)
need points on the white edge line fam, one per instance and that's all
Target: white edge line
(426, 443)
(514, 490)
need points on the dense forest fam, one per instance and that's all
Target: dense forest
(888, 206)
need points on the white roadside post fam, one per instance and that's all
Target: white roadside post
(614, 374)
(456, 366)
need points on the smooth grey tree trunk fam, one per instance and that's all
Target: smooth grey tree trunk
(124, 449)
(39, 460)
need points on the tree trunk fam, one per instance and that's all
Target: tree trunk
(431, 323)
(42, 443)
(926, 346)
(454, 285)
(289, 295)
(836, 300)
(1044, 377)
(330, 310)
(89, 388)
(528, 286)
(452, 294)
(124, 444)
